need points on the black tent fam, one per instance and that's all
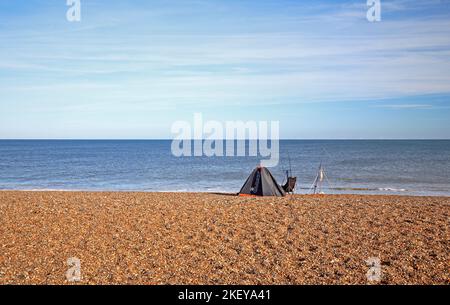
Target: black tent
(261, 183)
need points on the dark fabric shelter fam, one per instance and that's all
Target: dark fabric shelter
(261, 183)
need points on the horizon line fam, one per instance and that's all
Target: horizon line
(281, 139)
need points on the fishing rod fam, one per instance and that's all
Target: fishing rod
(290, 167)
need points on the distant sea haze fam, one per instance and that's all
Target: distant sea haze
(407, 167)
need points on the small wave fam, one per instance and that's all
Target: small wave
(43, 190)
(390, 189)
(173, 191)
(344, 188)
(353, 189)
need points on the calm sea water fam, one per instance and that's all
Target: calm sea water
(360, 166)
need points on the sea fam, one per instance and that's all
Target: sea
(402, 167)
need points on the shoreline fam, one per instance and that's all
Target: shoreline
(212, 193)
(201, 238)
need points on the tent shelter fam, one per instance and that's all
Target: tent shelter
(261, 183)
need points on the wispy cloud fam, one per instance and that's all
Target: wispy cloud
(359, 60)
(407, 106)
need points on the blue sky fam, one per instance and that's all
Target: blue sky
(130, 69)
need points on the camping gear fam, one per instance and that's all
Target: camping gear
(289, 186)
(261, 183)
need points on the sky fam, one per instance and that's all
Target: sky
(130, 69)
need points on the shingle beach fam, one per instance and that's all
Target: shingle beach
(199, 238)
